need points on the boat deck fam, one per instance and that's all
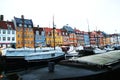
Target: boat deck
(62, 72)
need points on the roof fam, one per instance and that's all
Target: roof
(68, 29)
(38, 29)
(26, 21)
(7, 25)
(104, 34)
(58, 30)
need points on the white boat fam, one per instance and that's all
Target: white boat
(45, 55)
(72, 52)
(97, 50)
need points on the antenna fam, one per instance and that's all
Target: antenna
(88, 26)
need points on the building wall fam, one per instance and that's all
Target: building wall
(24, 32)
(24, 41)
(86, 40)
(7, 42)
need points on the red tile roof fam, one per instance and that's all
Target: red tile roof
(4, 25)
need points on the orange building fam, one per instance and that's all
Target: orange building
(24, 32)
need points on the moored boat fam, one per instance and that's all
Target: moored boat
(24, 58)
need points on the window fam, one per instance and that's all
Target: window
(29, 26)
(4, 32)
(20, 25)
(8, 38)
(13, 32)
(4, 38)
(63, 33)
(13, 38)
(0, 31)
(66, 33)
(8, 31)
(0, 38)
(37, 32)
(9, 26)
(25, 25)
(18, 35)
(43, 33)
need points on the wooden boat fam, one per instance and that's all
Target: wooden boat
(15, 59)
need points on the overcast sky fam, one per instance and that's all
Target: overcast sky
(101, 15)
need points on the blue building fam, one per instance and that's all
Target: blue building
(86, 39)
(39, 37)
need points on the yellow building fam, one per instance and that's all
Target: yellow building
(50, 39)
(24, 35)
(107, 40)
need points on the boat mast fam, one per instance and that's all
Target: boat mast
(89, 32)
(53, 33)
(22, 16)
(97, 41)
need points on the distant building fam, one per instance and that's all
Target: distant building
(86, 39)
(65, 36)
(71, 33)
(7, 34)
(24, 32)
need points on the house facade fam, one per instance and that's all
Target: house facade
(39, 36)
(7, 34)
(24, 32)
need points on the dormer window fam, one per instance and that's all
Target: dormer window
(37, 32)
(20, 25)
(29, 26)
(42, 33)
(25, 25)
(9, 26)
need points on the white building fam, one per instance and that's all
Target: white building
(7, 34)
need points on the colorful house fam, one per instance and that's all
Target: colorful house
(24, 32)
(71, 34)
(39, 36)
(65, 37)
(86, 39)
(50, 37)
(7, 34)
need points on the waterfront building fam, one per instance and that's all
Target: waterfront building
(92, 38)
(106, 38)
(24, 32)
(7, 34)
(115, 38)
(78, 36)
(65, 35)
(71, 33)
(49, 37)
(39, 34)
(86, 39)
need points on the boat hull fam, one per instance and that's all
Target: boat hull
(13, 63)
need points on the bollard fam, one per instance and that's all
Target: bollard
(51, 66)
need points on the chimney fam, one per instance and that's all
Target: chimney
(38, 26)
(1, 17)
